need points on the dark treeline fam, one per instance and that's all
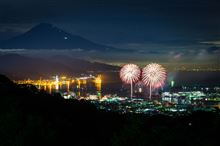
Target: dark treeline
(29, 117)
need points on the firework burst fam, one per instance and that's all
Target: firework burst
(153, 75)
(129, 74)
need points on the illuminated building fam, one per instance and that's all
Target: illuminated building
(57, 82)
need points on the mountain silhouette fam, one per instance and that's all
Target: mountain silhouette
(48, 36)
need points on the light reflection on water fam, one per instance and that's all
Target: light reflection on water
(79, 88)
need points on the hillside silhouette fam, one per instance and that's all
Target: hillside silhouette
(29, 117)
(35, 67)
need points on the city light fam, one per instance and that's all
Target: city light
(55, 83)
(177, 102)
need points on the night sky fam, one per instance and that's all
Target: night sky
(175, 28)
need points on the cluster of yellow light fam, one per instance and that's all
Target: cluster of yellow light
(47, 84)
(55, 84)
(98, 80)
(42, 82)
(63, 77)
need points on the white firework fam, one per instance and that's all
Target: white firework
(129, 74)
(153, 75)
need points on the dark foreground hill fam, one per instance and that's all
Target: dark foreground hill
(29, 117)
